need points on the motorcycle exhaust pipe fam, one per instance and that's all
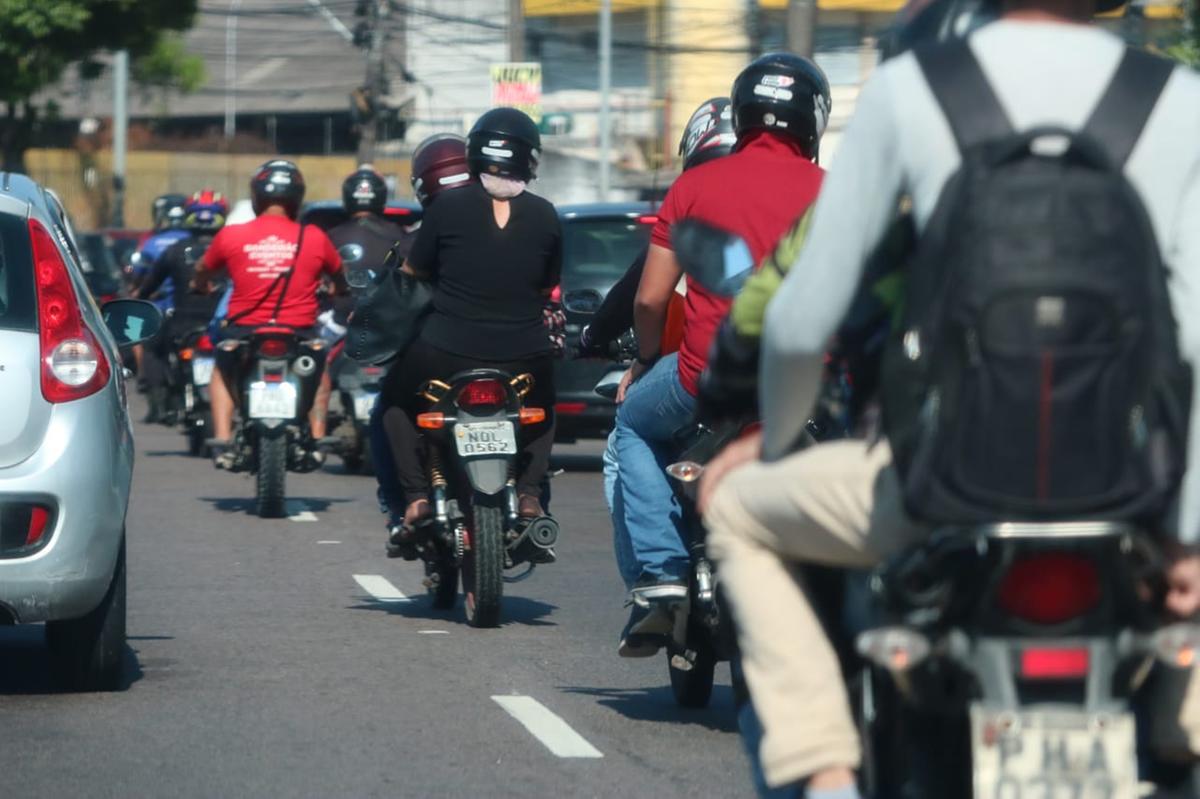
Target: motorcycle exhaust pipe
(543, 532)
(304, 366)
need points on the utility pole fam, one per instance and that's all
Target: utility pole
(376, 81)
(516, 30)
(605, 96)
(801, 25)
(231, 21)
(120, 132)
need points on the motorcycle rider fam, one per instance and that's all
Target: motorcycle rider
(168, 214)
(840, 503)
(276, 267)
(780, 105)
(204, 215)
(493, 252)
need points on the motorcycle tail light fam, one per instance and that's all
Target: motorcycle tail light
(186, 353)
(685, 471)
(272, 348)
(1178, 645)
(204, 343)
(896, 649)
(482, 394)
(1054, 664)
(533, 415)
(1049, 587)
(273, 377)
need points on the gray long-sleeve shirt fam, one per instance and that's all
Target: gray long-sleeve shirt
(900, 143)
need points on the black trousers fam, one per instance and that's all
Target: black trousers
(423, 362)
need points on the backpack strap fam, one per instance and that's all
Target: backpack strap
(1124, 108)
(963, 92)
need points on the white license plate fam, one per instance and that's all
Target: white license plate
(272, 401)
(1053, 754)
(202, 369)
(363, 405)
(485, 438)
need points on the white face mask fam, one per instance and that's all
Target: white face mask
(501, 188)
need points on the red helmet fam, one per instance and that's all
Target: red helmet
(439, 163)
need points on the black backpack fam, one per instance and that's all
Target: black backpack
(1036, 373)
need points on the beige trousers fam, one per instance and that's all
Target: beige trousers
(836, 504)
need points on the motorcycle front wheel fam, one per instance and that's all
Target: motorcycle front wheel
(271, 476)
(483, 567)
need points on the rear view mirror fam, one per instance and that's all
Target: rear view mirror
(718, 260)
(132, 321)
(582, 301)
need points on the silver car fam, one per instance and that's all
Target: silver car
(66, 447)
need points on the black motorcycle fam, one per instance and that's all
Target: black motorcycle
(473, 429)
(279, 373)
(192, 366)
(357, 387)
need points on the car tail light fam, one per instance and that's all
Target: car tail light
(1050, 588)
(73, 365)
(647, 219)
(372, 371)
(482, 394)
(204, 343)
(570, 408)
(272, 348)
(1054, 664)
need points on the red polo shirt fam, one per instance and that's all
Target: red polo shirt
(758, 192)
(256, 253)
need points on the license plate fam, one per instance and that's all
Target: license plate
(272, 401)
(202, 369)
(485, 438)
(363, 405)
(1051, 753)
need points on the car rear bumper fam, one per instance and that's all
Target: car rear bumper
(580, 417)
(83, 467)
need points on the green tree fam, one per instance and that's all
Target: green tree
(1187, 49)
(39, 39)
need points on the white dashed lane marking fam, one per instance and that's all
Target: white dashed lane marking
(329, 542)
(380, 588)
(549, 728)
(433, 632)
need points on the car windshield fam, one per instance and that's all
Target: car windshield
(17, 300)
(597, 252)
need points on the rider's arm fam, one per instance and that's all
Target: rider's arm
(211, 264)
(615, 314)
(1183, 259)
(421, 261)
(657, 286)
(554, 261)
(157, 275)
(858, 200)
(333, 267)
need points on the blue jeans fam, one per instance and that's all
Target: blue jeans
(655, 409)
(627, 564)
(385, 465)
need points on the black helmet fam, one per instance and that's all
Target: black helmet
(709, 133)
(277, 182)
(506, 142)
(439, 163)
(365, 190)
(922, 21)
(785, 93)
(167, 210)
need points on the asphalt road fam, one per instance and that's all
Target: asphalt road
(291, 658)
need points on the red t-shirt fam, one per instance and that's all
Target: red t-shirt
(758, 193)
(256, 253)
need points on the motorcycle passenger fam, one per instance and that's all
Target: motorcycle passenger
(841, 503)
(756, 192)
(493, 252)
(276, 267)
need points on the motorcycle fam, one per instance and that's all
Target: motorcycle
(357, 387)
(192, 365)
(277, 383)
(472, 428)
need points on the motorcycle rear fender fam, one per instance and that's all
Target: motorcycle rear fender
(488, 475)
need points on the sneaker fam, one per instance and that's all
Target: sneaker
(667, 590)
(646, 632)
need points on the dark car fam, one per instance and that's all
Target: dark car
(328, 214)
(101, 271)
(600, 242)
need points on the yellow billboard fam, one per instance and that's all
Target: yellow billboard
(563, 8)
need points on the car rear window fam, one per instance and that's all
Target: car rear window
(17, 300)
(601, 250)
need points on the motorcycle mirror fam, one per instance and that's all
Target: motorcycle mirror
(718, 260)
(585, 301)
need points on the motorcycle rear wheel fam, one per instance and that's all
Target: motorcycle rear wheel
(483, 567)
(197, 434)
(271, 477)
